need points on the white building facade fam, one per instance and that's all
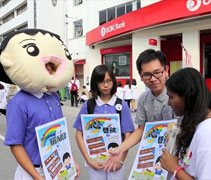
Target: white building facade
(41, 14)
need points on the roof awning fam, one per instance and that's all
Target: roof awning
(79, 61)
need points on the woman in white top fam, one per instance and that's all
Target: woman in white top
(190, 98)
(134, 90)
(127, 92)
(3, 99)
(120, 90)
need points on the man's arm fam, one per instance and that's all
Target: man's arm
(132, 140)
(122, 157)
(23, 159)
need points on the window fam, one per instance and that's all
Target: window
(114, 12)
(207, 60)
(120, 10)
(25, 26)
(1, 39)
(129, 7)
(138, 4)
(5, 2)
(22, 9)
(111, 13)
(8, 17)
(102, 15)
(120, 63)
(77, 2)
(78, 28)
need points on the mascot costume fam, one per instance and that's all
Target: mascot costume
(24, 56)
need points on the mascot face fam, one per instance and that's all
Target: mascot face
(26, 59)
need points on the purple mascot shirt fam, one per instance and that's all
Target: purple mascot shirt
(25, 112)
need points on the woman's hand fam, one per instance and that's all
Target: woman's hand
(96, 165)
(39, 178)
(169, 162)
(78, 171)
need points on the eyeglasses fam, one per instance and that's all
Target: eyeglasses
(148, 76)
(108, 82)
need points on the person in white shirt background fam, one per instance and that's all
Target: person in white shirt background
(134, 91)
(120, 90)
(83, 98)
(127, 92)
(3, 98)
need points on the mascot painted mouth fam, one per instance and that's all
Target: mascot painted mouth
(40, 64)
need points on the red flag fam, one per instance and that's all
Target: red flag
(188, 58)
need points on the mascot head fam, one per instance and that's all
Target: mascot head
(36, 60)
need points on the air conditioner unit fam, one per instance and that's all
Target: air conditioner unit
(78, 2)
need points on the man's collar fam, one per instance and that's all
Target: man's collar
(111, 102)
(39, 94)
(161, 97)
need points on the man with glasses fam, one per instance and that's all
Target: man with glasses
(153, 104)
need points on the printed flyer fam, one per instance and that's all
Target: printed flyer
(55, 150)
(147, 164)
(100, 132)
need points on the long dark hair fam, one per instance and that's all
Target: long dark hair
(128, 83)
(98, 76)
(188, 83)
(1, 86)
(134, 82)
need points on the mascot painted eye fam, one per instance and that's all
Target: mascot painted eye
(67, 54)
(32, 49)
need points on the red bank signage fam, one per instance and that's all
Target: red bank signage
(153, 42)
(194, 5)
(158, 13)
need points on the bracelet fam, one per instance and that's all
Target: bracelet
(121, 162)
(176, 172)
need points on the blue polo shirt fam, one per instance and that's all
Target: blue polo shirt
(108, 108)
(25, 112)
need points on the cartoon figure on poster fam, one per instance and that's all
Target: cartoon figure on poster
(24, 56)
(147, 164)
(102, 131)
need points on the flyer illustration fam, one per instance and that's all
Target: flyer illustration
(147, 164)
(100, 132)
(55, 150)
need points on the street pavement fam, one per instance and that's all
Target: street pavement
(8, 163)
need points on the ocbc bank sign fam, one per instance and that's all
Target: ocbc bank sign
(193, 5)
(105, 30)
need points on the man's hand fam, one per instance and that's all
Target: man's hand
(113, 162)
